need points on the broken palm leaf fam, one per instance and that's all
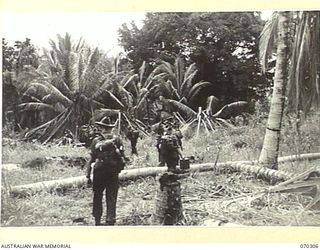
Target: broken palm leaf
(308, 183)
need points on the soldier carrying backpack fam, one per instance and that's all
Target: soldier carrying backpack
(107, 160)
(133, 136)
(170, 149)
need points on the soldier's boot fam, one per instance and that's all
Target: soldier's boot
(110, 223)
(97, 221)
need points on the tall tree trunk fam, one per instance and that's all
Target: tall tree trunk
(270, 149)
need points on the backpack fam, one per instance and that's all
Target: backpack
(107, 147)
(169, 143)
(109, 155)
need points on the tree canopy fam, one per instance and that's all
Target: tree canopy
(193, 61)
(222, 45)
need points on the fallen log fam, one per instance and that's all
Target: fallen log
(241, 166)
(299, 157)
(72, 182)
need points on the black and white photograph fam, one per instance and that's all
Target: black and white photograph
(161, 119)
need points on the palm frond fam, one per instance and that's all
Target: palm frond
(142, 71)
(163, 89)
(188, 77)
(142, 100)
(79, 45)
(222, 122)
(37, 132)
(31, 98)
(100, 91)
(184, 100)
(65, 43)
(168, 69)
(157, 70)
(37, 90)
(60, 84)
(81, 69)
(74, 74)
(57, 126)
(174, 94)
(103, 95)
(190, 70)
(59, 107)
(212, 105)
(115, 99)
(36, 106)
(101, 113)
(179, 72)
(267, 40)
(24, 78)
(49, 99)
(153, 79)
(129, 80)
(85, 102)
(304, 70)
(93, 79)
(59, 96)
(50, 66)
(195, 90)
(68, 60)
(93, 61)
(41, 89)
(97, 105)
(132, 88)
(52, 128)
(231, 110)
(125, 97)
(176, 106)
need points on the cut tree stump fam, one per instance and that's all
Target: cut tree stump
(168, 205)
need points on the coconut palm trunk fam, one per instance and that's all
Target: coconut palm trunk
(270, 149)
(133, 174)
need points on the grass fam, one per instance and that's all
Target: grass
(19, 152)
(204, 196)
(226, 197)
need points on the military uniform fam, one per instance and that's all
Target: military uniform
(159, 130)
(170, 149)
(133, 136)
(179, 137)
(107, 155)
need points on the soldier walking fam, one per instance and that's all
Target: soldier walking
(170, 146)
(159, 130)
(133, 136)
(107, 160)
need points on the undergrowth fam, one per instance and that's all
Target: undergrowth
(204, 196)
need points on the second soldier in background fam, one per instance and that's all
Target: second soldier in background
(133, 136)
(169, 146)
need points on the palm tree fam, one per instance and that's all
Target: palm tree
(142, 87)
(301, 72)
(179, 93)
(176, 88)
(73, 80)
(177, 83)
